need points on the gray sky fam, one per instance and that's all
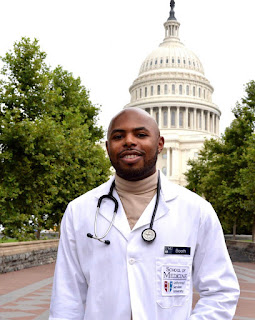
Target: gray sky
(105, 42)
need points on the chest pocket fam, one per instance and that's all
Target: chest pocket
(173, 281)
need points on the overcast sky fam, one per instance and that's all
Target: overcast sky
(105, 42)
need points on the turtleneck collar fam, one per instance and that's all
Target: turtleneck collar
(137, 187)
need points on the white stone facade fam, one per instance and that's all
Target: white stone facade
(172, 87)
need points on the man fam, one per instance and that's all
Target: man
(146, 277)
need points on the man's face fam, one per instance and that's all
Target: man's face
(133, 145)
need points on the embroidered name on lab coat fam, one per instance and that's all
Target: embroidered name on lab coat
(177, 250)
(174, 280)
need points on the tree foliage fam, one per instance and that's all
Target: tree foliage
(49, 142)
(223, 171)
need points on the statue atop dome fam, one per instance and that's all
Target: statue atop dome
(172, 5)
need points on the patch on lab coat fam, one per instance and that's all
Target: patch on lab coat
(177, 250)
(174, 280)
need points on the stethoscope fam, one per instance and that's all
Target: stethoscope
(148, 234)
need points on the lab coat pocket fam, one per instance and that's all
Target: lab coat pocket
(173, 280)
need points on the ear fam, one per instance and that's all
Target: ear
(106, 145)
(161, 142)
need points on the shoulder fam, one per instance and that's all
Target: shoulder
(186, 199)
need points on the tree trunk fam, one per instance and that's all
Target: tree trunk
(253, 229)
(37, 234)
(234, 231)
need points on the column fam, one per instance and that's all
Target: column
(195, 119)
(169, 117)
(168, 159)
(177, 117)
(213, 123)
(151, 112)
(186, 125)
(207, 120)
(202, 120)
(160, 117)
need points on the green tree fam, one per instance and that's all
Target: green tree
(49, 140)
(216, 172)
(247, 180)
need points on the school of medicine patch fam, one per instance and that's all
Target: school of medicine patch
(174, 280)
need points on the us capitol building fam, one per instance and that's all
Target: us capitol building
(172, 87)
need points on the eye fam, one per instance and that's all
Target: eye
(117, 137)
(142, 135)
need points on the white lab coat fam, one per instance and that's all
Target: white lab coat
(95, 281)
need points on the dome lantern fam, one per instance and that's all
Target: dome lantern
(172, 25)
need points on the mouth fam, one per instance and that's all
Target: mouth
(131, 156)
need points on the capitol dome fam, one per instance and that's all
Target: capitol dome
(172, 87)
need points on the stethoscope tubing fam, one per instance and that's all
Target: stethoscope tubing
(116, 205)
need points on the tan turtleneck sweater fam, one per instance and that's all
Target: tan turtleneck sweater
(136, 195)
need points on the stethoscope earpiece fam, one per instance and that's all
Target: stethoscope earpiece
(89, 235)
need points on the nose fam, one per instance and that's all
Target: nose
(130, 140)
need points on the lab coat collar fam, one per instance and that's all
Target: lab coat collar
(169, 191)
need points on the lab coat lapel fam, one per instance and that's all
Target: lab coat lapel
(168, 192)
(107, 208)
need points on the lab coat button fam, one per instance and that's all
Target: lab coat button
(131, 261)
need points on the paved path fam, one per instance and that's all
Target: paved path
(25, 294)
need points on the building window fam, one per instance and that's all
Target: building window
(158, 89)
(145, 92)
(151, 63)
(165, 89)
(204, 93)
(164, 155)
(205, 120)
(151, 90)
(173, 89)
(156, 61)
(166, 60)
(184, 61)
(194, 91)
(173, 118)
(141, 93)
(164, 170)
(161, 61)
(180, 89)
(199, 92)
(179, 61)
(187, 90)
(189, 120)
(172, 60)
(165, 118)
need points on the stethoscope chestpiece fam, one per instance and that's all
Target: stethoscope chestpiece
(149, 235)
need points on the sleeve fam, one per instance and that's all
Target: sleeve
(213, 274)
(69, 286)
